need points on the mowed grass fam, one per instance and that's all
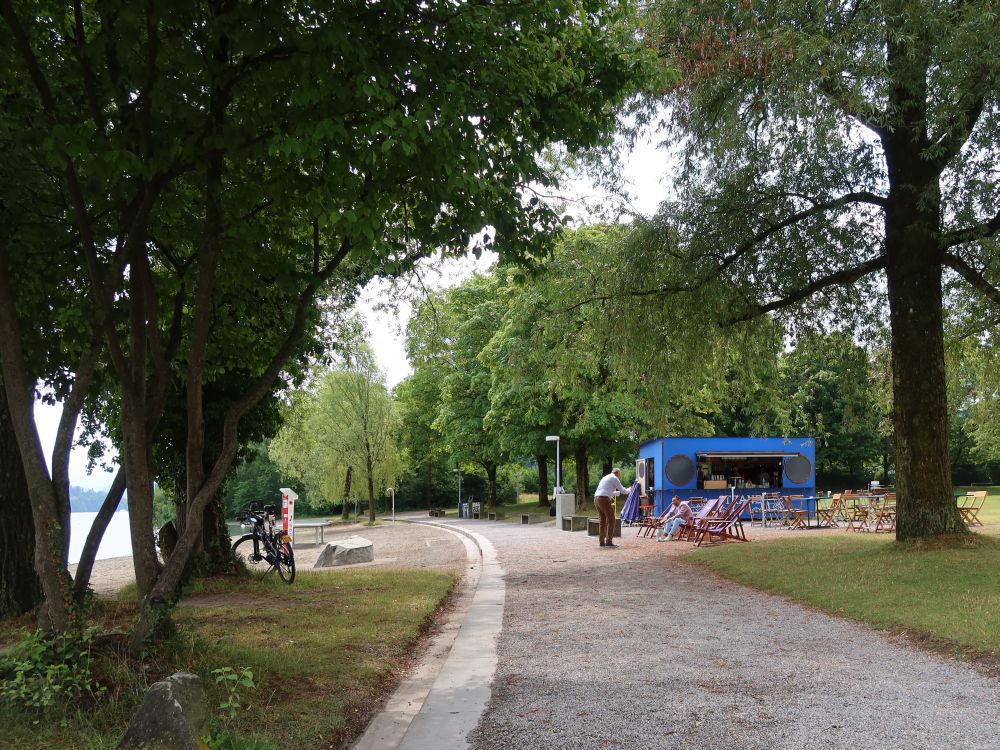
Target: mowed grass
(324, 651)
(947, 592)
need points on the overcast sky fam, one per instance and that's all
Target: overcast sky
(645, 169)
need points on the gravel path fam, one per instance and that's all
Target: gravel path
(632, 648)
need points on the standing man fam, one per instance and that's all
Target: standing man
(610, 483)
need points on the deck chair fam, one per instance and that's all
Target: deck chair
(727, 526)
(970, 508)
(828, 515)
(709, 510)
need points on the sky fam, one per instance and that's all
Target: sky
(645, 170)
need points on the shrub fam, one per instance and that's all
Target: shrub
(43, 670)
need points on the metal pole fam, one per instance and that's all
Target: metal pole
(558, 484)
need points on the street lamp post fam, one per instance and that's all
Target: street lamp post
(459, 472)
(393, 492)
(555, 438)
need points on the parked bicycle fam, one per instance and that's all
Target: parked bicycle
(266, 547)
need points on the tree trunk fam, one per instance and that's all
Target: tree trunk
(543, 481)
(345, 512)
(428, 484)
(582, 497)
(491, 484)
(609, 464)
(371, 493)
(96, 534)
(926, 504)
(20, 589)
(139, 482)
(215, 543)
(48, 526)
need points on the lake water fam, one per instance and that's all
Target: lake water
(117, 541)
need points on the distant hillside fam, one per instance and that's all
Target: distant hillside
(82, 500)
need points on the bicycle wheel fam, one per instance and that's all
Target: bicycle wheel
(286, 563)
(256, 564)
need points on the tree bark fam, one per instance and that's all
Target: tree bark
(108, 508)
(491, 484)
(925, 504)
(137, 461)
(20, 589)
(543, 481)
(49, 527)
(345, 512)
(580, 456)
(371, 493)
(609, 464)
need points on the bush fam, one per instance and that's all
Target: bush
(44, 670)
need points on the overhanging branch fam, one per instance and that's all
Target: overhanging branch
(970, 234)
(975, 279)
(845, 276)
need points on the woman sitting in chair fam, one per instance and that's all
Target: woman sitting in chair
(674, 517)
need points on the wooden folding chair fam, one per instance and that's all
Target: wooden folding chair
(885, 514)
(970, 508)
(827, 515)
(795, 517)
(858, 519)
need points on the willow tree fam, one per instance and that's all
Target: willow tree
(837, 157)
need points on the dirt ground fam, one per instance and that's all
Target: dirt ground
(400, 545)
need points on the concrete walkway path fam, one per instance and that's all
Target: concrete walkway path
(633, 648)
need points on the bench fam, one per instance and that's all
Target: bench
(574, 523)
(532, 518)
(317, 526)
(437, 513)
(494, 516)
(594, 527)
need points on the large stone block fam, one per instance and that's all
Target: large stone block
(173, 716)
(350, 551)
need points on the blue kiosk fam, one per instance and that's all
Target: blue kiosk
(713, 466)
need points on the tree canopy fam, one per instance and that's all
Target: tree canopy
(835, 167)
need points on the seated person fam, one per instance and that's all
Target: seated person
(678, 514)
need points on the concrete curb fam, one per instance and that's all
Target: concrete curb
(443, 698)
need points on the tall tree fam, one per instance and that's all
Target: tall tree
(830, 148)
(210, 151)
(467, 320)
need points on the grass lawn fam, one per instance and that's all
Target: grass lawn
(947, 592)
(323, 652)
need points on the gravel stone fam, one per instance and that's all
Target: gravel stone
(633, 648)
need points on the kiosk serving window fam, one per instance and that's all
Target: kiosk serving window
(719, 471)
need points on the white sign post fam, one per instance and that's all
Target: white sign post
(288, 498)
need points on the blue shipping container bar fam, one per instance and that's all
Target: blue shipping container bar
(712, 466)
